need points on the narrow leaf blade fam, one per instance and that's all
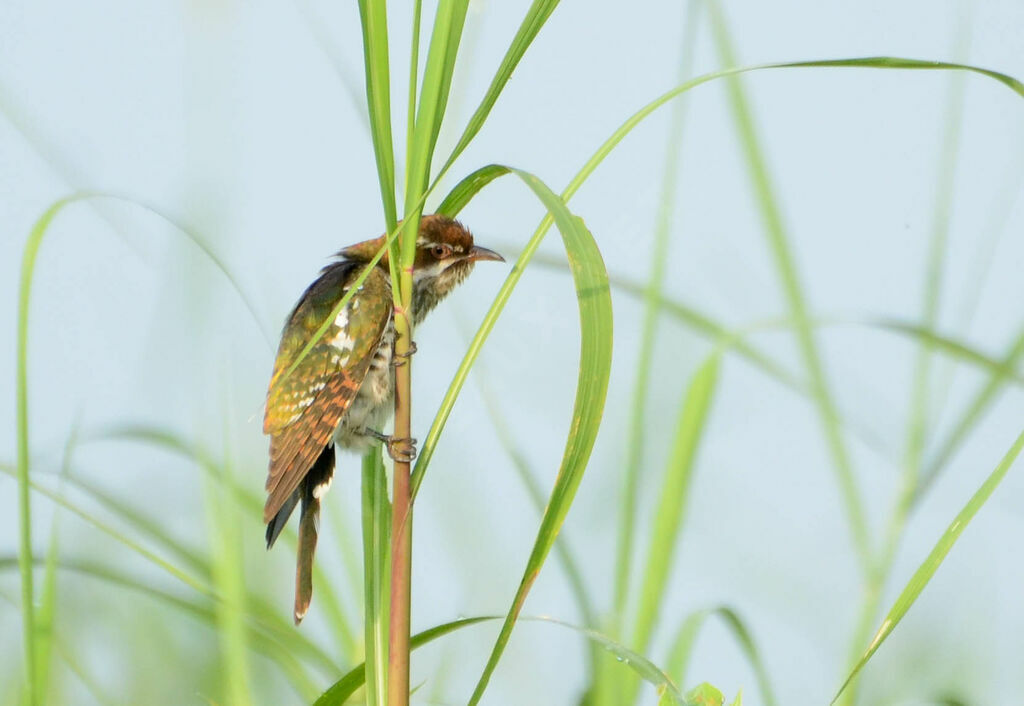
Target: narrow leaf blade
(594, 300)
(931, 564)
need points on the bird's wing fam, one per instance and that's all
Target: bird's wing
(305, 405)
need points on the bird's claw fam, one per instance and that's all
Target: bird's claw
(400, 359)
(402, 450)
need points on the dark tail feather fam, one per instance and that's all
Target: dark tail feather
(277, 524)
(309, 523)
(313, 486)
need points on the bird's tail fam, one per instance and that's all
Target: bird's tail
(313, 487)
(309, 525)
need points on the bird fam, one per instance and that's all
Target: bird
(342, 392)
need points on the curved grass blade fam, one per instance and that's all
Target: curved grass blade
(29, 256)
(345, 687)
(675, 491)
(595, 365)
(250, 502)
(573, 572)
(612, 142)
(465, 190)
(935, 558)
(682, 647)
(28, 609)
(567, 221)
(266, 617)
(595, 306)
(572, 569)
(350, 683)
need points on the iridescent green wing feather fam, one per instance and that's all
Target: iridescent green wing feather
(305, 406)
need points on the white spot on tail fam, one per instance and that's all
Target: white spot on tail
(321, 489)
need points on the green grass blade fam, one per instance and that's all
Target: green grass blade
(971, 415)
(143, 524)
(652, 296)
(469, 189)
(374, 22)
(344, 688)
(45, 619)
(595, 305)
(319, 31)
(414, 69)
(437, 77)
(282, 646)
(170, 568)
(640, 665)
(789, 278)
(262, 614)
(470, 186)
(376, 576)
(955, 349)
(228, 573)
(28, 262)
(573, 573)
(920, 398)
(248, 501)
(350, 683)
(673, 496)
(930, 303)
(531, 25)
(904, 64)
(686, 637)
(935, 558)
(699, 322)
(95, 691)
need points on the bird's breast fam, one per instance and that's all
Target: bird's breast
(374, 402)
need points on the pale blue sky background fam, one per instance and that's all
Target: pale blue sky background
(239, 119)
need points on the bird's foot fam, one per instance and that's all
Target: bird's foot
(402, 450)
(400, 359)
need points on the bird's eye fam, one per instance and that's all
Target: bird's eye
(441, 251)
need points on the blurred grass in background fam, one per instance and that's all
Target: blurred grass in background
(151, 585)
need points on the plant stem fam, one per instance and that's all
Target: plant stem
(401, 573)
(401, 517)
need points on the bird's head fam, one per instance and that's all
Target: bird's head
(445, 255)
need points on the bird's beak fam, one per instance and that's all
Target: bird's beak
(479, 253)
